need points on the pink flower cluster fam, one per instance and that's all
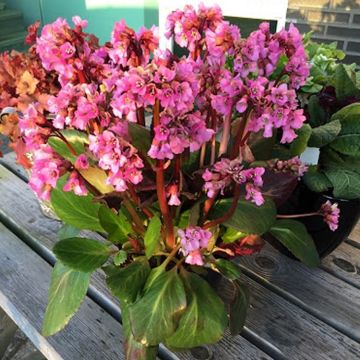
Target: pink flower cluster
(118, 157)
(204, 29)
(76, 106)
(331, 214)
(272, 104)
(62, 49)
(46, 170)
(293, 165)
(31, 125)
(192, 240)
(224, 172)
(130, 48)
(176, 133)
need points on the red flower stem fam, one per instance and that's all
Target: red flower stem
(135, 216)
(295, 216)
(140, 116)
(213, 139)
(63, 138)
(81, 77)
(229, 213)
(202, 155)
(225, 135)
(134, 196)
(208, 205)
(239, 135)
(160, 187)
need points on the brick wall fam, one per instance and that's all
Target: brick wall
(330, 20)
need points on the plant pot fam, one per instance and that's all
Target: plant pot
(303, 201)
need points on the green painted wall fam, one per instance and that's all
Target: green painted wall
(101, 14)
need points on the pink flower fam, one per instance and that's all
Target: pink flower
(293, 165)
(331, 214)
(253, 194)
(45, 171)
(279, 94)
(81, 162)
(76, 183)
(79, 22)
(192, 240)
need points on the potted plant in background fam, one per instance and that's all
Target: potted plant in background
(178, 196)
(333, 129)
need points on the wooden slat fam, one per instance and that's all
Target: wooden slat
(9, 161)
(355, 234)
(20, 208)
(24, 282)
(315, 290)
(7, 332)
(344, 263)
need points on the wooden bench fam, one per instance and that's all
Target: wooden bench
(296, 312)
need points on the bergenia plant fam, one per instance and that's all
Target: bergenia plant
(150, 150)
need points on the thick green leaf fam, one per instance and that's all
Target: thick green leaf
(82, 254)
(120, 257)
(126, 283)
(232, 235)
(153, 317)
(228, 269)
(204, 320)
(248, 217)
(152, 236)
(67, 291)
(117, 226)
(238, 308)
(317, 114)
(67, 231)
(294, 236)
(344, 84)
(325, 134)
(346, 183)
(141, 139)
(78, 211)
(76, 140)
(299, 145)
(348, 140)
(316, 181)
(134, 349)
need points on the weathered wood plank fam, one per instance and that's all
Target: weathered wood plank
(344, 263)
(355, 234)
(7, 331)
(9, 161)
(24, 282)
(23, 213)
(315, 290)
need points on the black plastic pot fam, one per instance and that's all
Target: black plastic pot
(303, 201)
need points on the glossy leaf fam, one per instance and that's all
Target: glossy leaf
(317, 114)
(248, 217)
(67, 291)
(294, 236)
(228, 269)
(344, 84)
(78, 211)
(81, 254)
(238, 308)
(76, 140)
(325, 134)
(120, 257)
(97, 178)
(316, 181)
(300, 143)
(126, 283)
(141, 139)
(154, 316)
(152, 236)
(346, 183)
(204, 320)
(232, 235)
(134, 349)
(67, 231)
(117, 226)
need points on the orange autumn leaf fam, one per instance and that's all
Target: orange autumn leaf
(26, 84)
